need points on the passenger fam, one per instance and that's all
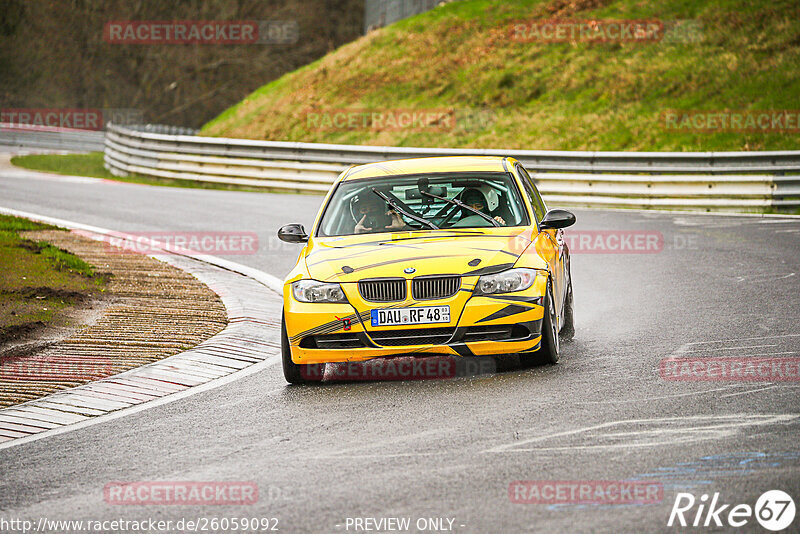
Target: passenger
(475, 199)
(372, 217)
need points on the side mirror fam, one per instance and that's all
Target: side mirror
(293, 233)
(557, 219)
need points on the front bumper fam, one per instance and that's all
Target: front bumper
(479, 326)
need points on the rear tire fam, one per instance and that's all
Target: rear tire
(568, 328)
(296, 373)
(549, 347)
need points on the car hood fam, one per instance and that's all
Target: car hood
(468, 252)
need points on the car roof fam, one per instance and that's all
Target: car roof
(427, 165)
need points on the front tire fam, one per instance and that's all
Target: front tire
(549, 349)
(296, 373)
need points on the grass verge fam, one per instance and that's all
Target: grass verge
(37, 280)
(90, 164)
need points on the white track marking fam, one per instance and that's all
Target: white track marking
(767, 277)
(750, 391)
(378, 455)
(663, 397)
(769, 354)
(716, 427)
(731, 348)
(741, 339)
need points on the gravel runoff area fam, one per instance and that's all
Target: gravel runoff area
(156, 310)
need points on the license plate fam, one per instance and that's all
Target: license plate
(417, 315)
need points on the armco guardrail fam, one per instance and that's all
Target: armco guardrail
(742, 181)
(51, 138)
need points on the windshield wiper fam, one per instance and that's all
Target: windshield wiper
(396, 207)
(461, 205)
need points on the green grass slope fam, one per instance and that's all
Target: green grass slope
(738, 55)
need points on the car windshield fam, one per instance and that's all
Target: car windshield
(423, 202)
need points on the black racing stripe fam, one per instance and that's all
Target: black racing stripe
(351, 246)
(368, 248)
(366, 340)
(508, 311)
(496, 250)
(490, 269)
(534, 348)
(514, 298)
(326, 328)
(444, 234)
(462, 349)
(333, 326)
(449, 235)
(400, 245)
(458, 335)
(338, 257)
(390, 262)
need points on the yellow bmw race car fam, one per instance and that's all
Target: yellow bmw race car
(433, 256)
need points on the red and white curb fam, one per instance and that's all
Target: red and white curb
(250, 343)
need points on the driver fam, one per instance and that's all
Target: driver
(475, 199)
(369, 212)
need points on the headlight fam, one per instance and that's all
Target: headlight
(313, 291)
(506, 282)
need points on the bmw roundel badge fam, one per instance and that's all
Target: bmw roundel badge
(409, 270)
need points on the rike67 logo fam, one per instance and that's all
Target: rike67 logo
(774, 510)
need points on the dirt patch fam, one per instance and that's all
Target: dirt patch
(564, 8)
(29, 338)
(51, 293)
(149, 311)
(16, 331)
(30, 246)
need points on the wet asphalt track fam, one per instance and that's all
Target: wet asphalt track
(721, 286)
